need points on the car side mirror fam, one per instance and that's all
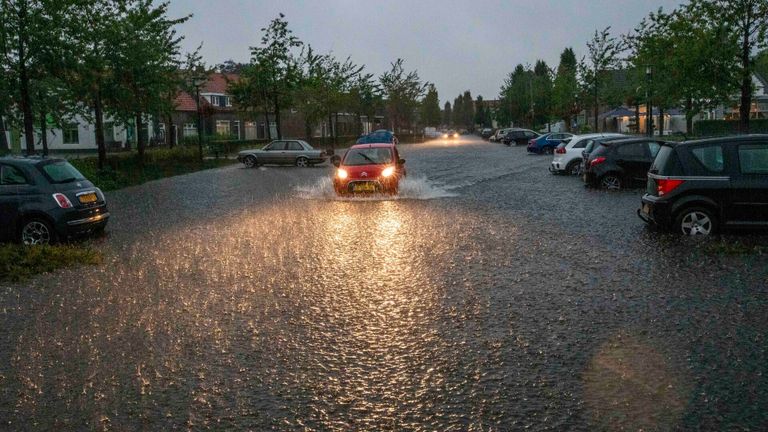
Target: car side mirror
(401, 162)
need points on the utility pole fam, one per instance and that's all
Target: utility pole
(648, 104)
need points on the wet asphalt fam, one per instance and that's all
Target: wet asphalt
(491, 295)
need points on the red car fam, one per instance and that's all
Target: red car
(369, 168)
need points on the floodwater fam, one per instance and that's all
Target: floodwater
(490, 295)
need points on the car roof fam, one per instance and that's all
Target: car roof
(729, 138)
(373, 145)
(28, 160)
(630, 140)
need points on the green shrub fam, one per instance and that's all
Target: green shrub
(727, 127)
(18, 262)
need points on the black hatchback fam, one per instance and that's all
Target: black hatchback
(44, 200)
(619, 163)
(698, 187)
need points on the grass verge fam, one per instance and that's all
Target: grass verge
(18, 263)
(123, 170)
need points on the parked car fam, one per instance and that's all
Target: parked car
(698, 187)
(616, 164)
(486, 133)
(496, 137)
(369, 168)
(283, 152)
(546, 144)
(46, 200)
(519, 136)
(592, 145)
(568, 155)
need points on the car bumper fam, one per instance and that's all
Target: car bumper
(83, 224)
(380, 186)
(655, 212)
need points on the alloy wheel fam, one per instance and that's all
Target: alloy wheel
(611, 182)
(302, 162)
(35, 233)
(575, 169)
(696, 223)
(250, 161)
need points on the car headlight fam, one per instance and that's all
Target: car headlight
(342, 173)
(455, 135)
(388, 171)
(445, 135)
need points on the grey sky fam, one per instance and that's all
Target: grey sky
(457, 45)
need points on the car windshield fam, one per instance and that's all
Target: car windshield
(61, 172)
(368, 156)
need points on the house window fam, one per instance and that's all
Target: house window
(71, 134)
(214, 100)
(190, 129)
(229, 101)
(222, 127)
(236, 129)
(251, 131)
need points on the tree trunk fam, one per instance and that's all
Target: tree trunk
(689, 116)
(26, 105)
(140, 144)
(597, 107)
(267, 128)
(99, 114)
(661, 120)
(330, 129)
(43, 133)
(170, 137)
(637, 117)
(277, 120)
(746, 84)
(4, 144)
(335, 129)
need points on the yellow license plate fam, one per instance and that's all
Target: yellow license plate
(367, 187)
(88, 198)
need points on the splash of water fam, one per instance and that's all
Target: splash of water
(415, 188)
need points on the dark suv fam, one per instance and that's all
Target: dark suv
(616, 164)
(697, 187)
(42, 200)
(519, 136)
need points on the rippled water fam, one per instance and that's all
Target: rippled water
(490, 299)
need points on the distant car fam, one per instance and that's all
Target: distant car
(369, 168)
(486, 133)
(283, 152)
(546, 144)
(698, 187)
(568, 158)
(378, 136)
(519, 136)
(46, 200)
(617, 164)
(450, 134)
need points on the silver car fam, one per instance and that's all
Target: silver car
(283, 152)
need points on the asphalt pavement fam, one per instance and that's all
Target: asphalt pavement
(490, 295)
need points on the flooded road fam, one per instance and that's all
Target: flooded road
(491, 295)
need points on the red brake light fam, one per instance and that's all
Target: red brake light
(62, 200)
(560, 150)
(597, 161)
(665, 186)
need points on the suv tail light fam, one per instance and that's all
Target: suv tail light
(62, 200)
(665, 186)
(597, 161)
(560, 150)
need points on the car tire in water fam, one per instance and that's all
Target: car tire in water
(695, 221)
(573, 168)
(36, 231)
(302, 162)
(611, 181)
(250, 161)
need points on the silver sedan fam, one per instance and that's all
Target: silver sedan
(283, 152)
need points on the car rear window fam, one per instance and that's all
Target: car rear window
(753, 158)
(667, 163)
(61, 172)
(710, 157)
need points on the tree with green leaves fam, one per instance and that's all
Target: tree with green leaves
(430, 107)
(447, 114)
(565, 88)
(468, 111)
(602, 58)
(482, 113)
(458, 111)
(402, 92)
(517, 96)
(542, 92)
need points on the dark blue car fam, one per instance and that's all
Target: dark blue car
(547, 143)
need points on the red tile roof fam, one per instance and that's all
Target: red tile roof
(217, 83)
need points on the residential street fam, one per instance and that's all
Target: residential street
(491, 295)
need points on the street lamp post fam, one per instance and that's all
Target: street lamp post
(648, 104)
(197, 82)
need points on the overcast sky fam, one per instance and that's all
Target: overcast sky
(458, 45)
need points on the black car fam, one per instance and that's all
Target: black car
(698, 187)
(591, 145)
(619, 163)
(519, 136)
(43, 200)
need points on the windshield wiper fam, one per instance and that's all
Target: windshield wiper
(372, 161)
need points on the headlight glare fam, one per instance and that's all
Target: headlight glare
(388, 171)
(342, 173)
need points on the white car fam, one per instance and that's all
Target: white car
(499, 135)
(567, 159)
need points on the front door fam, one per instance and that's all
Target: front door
(635, 160)
(275, 153)
(749, 184)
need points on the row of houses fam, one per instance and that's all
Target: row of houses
(220, 119)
